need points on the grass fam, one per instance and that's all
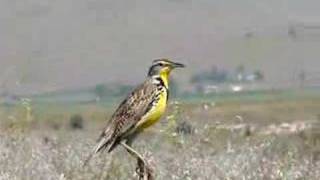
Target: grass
(257, 136)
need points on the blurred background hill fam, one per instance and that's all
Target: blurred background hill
(59, 45)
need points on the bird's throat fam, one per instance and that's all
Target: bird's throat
(165, 78)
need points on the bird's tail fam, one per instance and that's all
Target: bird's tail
(102, 144)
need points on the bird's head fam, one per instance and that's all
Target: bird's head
(163, 67)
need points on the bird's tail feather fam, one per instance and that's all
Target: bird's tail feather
(103, 143)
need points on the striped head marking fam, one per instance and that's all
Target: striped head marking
(163, 67)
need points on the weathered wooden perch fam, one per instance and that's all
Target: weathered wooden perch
(143, 169)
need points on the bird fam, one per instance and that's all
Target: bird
(142, 108)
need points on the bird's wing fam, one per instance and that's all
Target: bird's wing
(133, 108)
(130, 111)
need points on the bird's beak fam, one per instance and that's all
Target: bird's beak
(178, 65)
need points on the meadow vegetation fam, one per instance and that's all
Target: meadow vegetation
(274, 136)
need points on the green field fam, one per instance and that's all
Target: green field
(256, 135)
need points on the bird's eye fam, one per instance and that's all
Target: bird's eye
(161, 64)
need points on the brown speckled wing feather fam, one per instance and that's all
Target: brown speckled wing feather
(129, 112)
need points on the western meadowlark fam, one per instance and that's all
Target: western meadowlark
(142, 108)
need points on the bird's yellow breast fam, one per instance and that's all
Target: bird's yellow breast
(155, 113)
